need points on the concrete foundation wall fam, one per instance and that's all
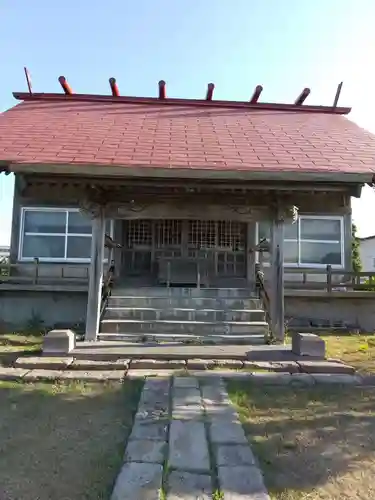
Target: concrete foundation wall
(18, 308)
(357, 309)
(351, 311)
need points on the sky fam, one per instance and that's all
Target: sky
(285, 45)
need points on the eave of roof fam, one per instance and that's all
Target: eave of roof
(366, 238)
(142, 171)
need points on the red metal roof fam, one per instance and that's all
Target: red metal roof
(57, 129)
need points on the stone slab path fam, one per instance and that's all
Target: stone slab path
(187, 443)
(28, 369)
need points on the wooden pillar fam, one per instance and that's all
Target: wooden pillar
(118, 225)
(348, 263)
(277, 278)
(96, 276)
(250, 253)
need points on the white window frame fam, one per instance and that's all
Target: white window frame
(313, 265)
(53, 259)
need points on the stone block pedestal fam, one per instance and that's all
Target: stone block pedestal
(59, 342)
(308, 344)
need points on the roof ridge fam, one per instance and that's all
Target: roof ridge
(173, 101)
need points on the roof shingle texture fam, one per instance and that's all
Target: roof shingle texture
(181, 136)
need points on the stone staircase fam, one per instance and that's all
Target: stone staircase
(207, 315)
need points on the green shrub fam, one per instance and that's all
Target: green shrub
(370, 285)
(35, 325)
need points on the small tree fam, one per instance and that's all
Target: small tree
(356, 257)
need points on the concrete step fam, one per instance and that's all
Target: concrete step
(183, 292)
(212, 315)
(253, 339)
(154, 302)
(184, 327)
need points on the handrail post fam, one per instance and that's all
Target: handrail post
(107, 287)
(36, 274)
(261, 260)
(263, 295)
(112, 271)
(257, 271)
(329, 278)
(198, 276)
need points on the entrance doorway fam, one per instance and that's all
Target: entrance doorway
(221, 243)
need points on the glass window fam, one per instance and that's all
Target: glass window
(78, 223)
(264, 230)
(57, 235)
(291, 231)
(47, 247)
(291, 252)
(311, 241)
(79, 247)
(45, 222)
(320, 253)
(320, 229)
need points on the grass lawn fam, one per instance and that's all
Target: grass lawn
(13, 345)
(316, 443)
(356, 349)
(63, 441)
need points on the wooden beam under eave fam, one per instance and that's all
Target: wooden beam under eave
(356, 190)
(188, 174)
(131, 183)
